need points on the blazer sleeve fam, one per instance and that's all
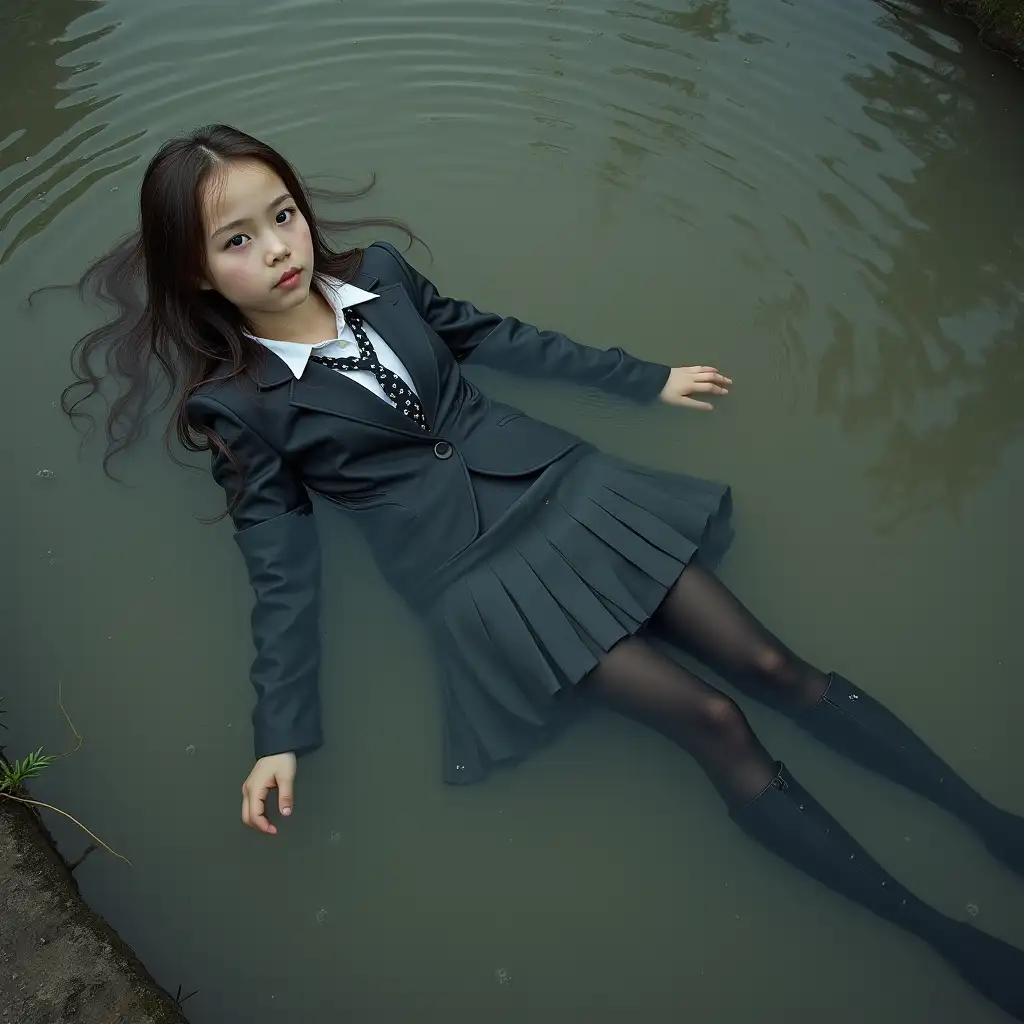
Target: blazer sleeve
(276, 533)
(506, 343)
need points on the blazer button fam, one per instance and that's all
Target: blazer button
(443, 450)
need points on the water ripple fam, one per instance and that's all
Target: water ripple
(498, 72)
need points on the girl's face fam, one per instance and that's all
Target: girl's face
(259, 254)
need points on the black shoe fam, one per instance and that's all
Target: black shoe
(787, 820)
(990, 966)
(853, 723)
(1003, 835)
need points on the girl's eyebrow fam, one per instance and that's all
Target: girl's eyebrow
(242, 220)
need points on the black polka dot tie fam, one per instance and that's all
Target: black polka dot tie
(391, 384)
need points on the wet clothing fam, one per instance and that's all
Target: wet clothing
(527, 552)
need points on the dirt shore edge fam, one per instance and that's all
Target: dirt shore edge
(1000, 23)
(60, 962)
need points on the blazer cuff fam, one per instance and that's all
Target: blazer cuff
(270, 739)
(644, 381)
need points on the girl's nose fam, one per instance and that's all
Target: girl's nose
(277, 251)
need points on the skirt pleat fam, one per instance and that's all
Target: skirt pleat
(579, 561)
(561, 579)
(513, 633)
(482, 655)
(546, 617)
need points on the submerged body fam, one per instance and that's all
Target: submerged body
(480, 493)
(541, 567)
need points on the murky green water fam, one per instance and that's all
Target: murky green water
(822, 199)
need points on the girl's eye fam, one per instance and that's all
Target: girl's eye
(236, 241)
(285, 215)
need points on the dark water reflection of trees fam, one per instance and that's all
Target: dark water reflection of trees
(704, 19)
(36, 105)
(953, 287)
(42, 103)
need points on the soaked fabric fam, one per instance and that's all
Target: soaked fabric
(703, 617)
(495, 495)
(577, 562)
(700, 615)
(789, 822)
(641, 683)
(401, 395)
(853, 723)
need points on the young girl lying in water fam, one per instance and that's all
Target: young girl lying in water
(541, 567)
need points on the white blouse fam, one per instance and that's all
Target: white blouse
(344, 346)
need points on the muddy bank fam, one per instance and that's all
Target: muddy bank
(59, 962)
(999, 22)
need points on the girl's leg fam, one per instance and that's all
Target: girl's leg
(702, 616)
(774, 810)
(641, 683)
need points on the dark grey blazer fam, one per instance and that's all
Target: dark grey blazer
(408, 490)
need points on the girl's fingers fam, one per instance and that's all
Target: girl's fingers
(257, 803)
(270, 773)
(693, 403)
(284, 795)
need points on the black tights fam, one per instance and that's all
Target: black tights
(701, 616)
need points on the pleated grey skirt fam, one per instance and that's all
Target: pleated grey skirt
(581, 558)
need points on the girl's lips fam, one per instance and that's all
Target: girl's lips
(290, 278)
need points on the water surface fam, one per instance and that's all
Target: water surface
(823, 200)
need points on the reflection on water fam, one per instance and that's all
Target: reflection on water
(706, 19)
(37, 57)
(949, 362)
(35, 46)
(821, 198)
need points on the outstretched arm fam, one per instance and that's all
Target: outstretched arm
(276, 533)
(506, 343)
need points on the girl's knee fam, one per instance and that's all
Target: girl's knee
(721, 716)
(775, 664)
(785, 680)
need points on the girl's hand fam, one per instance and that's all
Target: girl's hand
(274, 772)
(684, 381)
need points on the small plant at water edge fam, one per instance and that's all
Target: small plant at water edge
(14, 775)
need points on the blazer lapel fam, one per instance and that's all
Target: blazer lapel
(365, 280)
(323, 390)
(393, 316)
(271, 372)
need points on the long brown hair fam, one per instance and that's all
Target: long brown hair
(168, 335)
